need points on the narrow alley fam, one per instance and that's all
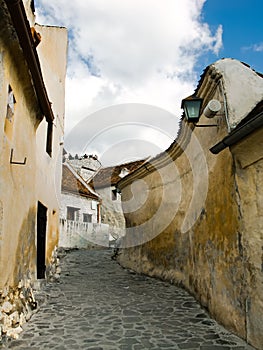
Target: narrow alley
(96, 304)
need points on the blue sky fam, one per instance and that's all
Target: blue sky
(242, 30)
(135, 53)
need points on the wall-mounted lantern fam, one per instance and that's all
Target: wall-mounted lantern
(192, 108)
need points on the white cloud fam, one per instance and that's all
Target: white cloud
(130, 51)
(258, 47)
(255, 47)
(218, 40)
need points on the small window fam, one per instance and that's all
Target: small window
(114, 194)
(87, 218)
(10, 104)
(10, 111)
(73, 213)
(98, 213)
(124, 172)
(49, 138)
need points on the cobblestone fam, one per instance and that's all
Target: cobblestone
(98, 305)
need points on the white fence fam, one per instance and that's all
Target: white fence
(74, 234)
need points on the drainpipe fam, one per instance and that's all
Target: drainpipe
(225, 104)
(22, 27)
(239, 133)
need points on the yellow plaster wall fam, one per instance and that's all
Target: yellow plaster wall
(22, 186)
(17, 182)
(52, 52)
(248, 156)
(219, 257)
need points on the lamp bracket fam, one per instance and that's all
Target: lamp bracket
(204, 125)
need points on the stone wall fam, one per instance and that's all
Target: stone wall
(195, 219)
(17, 306)
(86, 166)
(20, 302)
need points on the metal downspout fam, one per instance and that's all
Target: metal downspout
(238, 134)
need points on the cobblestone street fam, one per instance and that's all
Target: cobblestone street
(96, 304)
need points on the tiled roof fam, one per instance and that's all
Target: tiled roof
(72, 183)
(111, 175)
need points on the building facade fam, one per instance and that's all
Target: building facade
(86, 166)
(105, 182)
(32, 76)
(80, 213)
(200, 222)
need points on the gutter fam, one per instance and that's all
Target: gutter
(22, 27)
(239, 133)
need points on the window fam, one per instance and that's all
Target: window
(87, 218)
(10, 104)
(124, 172)
(10, 111)
(98, 213)
(49, 138)
(114, 194)
(73, 213)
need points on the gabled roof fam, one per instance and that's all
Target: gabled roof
(247, 114)
(206, 70)
(111, 175)
(234, 76)
(73, 183)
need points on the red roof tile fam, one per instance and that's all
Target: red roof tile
(72, 183)
(111, 175)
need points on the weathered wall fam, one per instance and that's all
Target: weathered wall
(17, 184)
(52, 51)
(18, 202)
(86, 206)
(83, 235)
(196, 220)
(248, 157)
(80, 234)
(23, 185)
(205, 258)
(86, 167)
(111, 212)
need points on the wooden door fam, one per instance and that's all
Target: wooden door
(41, 240)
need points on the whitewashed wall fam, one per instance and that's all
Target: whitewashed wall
(74, 234)
(86, 205)
(111, 212)
(79, 234)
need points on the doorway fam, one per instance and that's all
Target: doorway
(41, 240)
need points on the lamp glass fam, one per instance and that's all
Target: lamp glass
(192, 109)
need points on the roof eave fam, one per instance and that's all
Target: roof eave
(22, 27)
